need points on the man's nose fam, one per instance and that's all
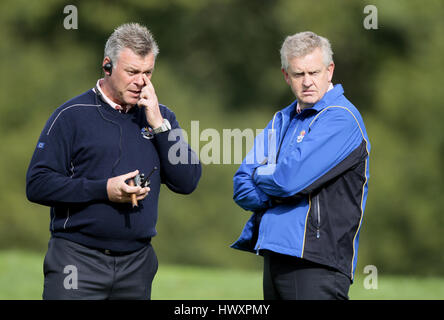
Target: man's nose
(307, 81)
(140, 81)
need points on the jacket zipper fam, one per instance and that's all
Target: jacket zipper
(318, 209)
(259, 238)
(259, 244)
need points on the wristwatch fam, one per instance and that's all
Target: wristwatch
(165, 126)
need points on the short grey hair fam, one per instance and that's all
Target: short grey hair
(303, 43)
(133, 36)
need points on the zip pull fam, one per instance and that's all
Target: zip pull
(319, 218)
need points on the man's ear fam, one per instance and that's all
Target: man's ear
(107, 66)
(286, 76)
(330, 69)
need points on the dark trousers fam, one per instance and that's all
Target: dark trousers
(291, 278)
(73, 271)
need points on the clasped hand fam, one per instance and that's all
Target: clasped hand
(119, 191)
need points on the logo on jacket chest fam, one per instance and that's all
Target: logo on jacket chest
(300, 136)
(147, 133)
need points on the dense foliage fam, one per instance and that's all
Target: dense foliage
(219, 64)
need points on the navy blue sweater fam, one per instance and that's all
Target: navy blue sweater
(85, 142)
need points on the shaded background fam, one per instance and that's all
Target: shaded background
(219, 64)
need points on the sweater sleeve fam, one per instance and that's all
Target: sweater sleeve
(49, 177)
(180, 168)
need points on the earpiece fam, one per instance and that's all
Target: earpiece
(108, 67)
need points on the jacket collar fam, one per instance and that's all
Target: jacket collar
(329, 97)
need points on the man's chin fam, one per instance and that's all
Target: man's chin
(131, 101)
(309, 101)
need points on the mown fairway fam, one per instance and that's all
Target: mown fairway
(21, 277)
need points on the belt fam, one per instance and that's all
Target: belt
(118, 253)
(114, 253)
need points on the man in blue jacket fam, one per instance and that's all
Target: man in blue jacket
(88, 153)
(306, 181)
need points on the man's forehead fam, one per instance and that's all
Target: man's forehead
(311, 61)
(129, 58)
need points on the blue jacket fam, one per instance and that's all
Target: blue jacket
(306, 180)
(85, 142)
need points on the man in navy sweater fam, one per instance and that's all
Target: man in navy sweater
(88, 152)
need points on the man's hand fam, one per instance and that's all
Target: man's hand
(119, 191)
(148, 100)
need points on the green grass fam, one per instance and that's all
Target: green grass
(193, 283)
(21, 277)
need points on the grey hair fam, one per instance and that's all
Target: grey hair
(133, 36)
(303, 43)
